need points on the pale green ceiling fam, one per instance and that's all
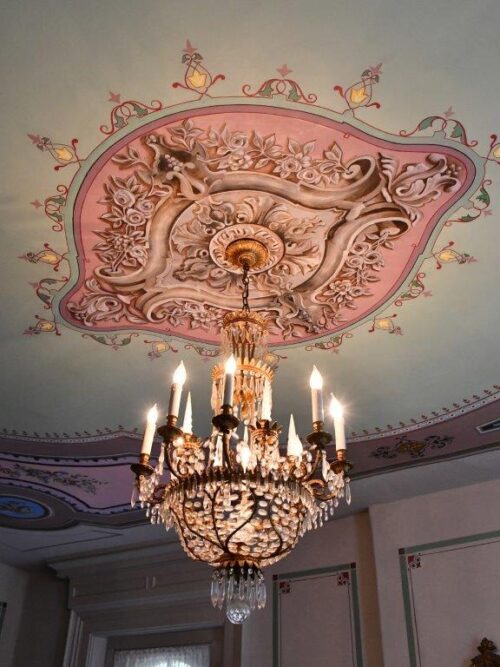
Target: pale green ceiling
(60, 59)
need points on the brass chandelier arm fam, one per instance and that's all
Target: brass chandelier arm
(314, 466)
(168, 459)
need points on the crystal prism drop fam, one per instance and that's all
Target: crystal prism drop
(214, 592)
(135, 496)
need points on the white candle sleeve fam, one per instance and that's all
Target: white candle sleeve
(228, 389)
(316, 384)
(339, 433)
(175, 400)
(318, 414)
(149, 435)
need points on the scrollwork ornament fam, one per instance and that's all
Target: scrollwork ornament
(182, 195)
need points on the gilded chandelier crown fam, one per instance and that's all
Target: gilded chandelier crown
(240, 502)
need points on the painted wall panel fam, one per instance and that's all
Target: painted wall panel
(316, 617)
(455, 606)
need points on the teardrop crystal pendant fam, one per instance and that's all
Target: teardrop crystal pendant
(242, 588)
(348, 496)
(135, 496)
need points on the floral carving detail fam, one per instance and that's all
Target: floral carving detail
(236, 151)
(363, 263)
(185, 193)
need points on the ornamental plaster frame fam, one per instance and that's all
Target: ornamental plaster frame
(137, 126)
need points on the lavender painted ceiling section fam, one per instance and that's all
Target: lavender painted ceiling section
(128, 167)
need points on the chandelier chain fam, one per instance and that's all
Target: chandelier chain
(246, 286)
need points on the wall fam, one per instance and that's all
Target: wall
(153, 591)
(341, 542)
(412, 583)
(13, 584)
(35, 622)
(442, 594)
(44, 621)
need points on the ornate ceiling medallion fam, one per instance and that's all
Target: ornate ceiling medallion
(343, 217)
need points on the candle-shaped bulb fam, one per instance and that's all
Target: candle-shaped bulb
(294, 446)
(187, 425)
(230, 365)
(316, 383)
(245, 436)
(336, 409)
(176, 390)
(152, 416)
(229, 370)
(180, 374)
(149, 433)
(337, 412)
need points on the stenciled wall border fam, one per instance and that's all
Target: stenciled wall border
(347, 577)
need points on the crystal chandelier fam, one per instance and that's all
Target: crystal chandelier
(241, 503)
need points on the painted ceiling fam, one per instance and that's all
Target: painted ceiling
(136, 147)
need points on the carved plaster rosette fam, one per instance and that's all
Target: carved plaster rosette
(343, 216)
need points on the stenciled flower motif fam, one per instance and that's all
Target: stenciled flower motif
(188, 313)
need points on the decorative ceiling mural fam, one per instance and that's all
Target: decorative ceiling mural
(348, 214)
(330, 211)
(130, 169)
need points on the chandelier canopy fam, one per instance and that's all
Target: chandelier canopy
(241, 503)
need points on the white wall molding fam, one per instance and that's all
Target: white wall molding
(73, 640)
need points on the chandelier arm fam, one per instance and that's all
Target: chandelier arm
(226, 543)
(168, 459)
(327, 497)
(246, 286)
(314, 466)
(226, 448)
